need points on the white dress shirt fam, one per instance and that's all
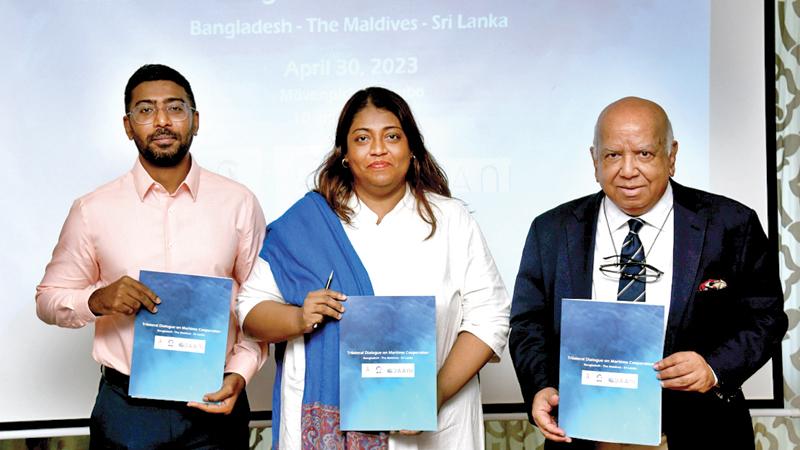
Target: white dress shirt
(657, 236)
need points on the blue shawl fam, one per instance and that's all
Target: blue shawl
(302, 247)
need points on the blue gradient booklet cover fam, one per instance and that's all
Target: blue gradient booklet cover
(387, 364)
(608, 388)
(179, 352)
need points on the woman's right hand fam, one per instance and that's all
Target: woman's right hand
(317, 305)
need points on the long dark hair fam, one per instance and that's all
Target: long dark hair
(335, 181)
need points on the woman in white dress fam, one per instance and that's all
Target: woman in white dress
(382, 218)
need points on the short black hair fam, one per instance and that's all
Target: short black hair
(156, 72)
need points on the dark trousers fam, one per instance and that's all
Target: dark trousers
(694, 421)
(121, 422)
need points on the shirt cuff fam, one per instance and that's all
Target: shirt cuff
(716, 380)
(244, 363)
(80, 304)
(494, 338)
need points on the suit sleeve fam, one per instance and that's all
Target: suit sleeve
(532, 335)
(759, 311)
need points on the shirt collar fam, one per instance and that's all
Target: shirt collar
(360, 209)
(143, 182)
(655, 216)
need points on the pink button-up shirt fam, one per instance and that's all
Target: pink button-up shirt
(210, 226)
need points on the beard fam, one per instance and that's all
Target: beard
(164, 158)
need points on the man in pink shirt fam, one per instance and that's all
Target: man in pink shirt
(166, 214)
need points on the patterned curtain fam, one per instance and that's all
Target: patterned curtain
(784, 432)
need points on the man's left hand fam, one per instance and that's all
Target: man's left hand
(685, 371)
(222, 401)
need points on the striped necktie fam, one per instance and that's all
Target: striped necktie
(631, 287)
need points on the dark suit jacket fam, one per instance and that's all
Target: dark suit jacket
(734, 328)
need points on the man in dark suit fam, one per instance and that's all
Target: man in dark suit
(718, 281)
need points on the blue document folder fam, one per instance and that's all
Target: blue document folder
(387, 364)
(179, 352)
(608, 388)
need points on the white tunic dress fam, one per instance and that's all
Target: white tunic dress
(455, 265)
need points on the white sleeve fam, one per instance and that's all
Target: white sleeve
(486, 303)
(260, 286)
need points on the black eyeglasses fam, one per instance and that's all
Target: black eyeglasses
(621, 267)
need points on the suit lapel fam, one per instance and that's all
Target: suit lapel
(690, 231)
(580, 236)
